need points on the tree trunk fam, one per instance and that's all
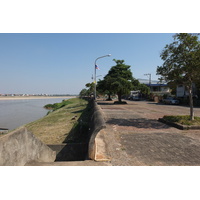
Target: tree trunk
(119, 97)
(109, 97)
(191, 102)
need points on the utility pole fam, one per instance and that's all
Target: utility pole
(149, 75)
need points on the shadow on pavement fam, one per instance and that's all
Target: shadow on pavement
(106, 103)
(139, 123)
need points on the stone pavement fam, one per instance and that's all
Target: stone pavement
(136, 138)
(69, 163)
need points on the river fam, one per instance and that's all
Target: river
(15, 113)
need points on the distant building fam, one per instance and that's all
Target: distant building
(181, 91)
(156, 87)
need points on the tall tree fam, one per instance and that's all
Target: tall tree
(83, 93)
(119, 79)
(144, 90)
(104, 86)
(90, 87)
(182, 63)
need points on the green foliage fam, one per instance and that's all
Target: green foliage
(143, 88)
(118, 80)
(83, 93)
(90, 87)
(57, 106)
(181, 59)
(182, 63)
(56, 127)
(104, 86)
(87, 92)
(80, 129)
(182, 119)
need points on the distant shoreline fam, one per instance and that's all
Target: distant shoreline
(33, 97)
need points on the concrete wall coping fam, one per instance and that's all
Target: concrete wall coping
(97, 145)
(21, 146)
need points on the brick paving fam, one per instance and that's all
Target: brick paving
(136, 138)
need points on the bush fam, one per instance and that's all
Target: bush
(182, 119)
(57, 106)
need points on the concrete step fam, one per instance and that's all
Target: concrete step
(69, 163)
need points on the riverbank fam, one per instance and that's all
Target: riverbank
(61, 126)
(33, 97)
(17, 112)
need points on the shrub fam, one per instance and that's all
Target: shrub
(182, 119)
(56, 106)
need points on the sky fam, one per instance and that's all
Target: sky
(62, 63)
(49, 47)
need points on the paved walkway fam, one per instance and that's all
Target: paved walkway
(136, 138)
(69, 163)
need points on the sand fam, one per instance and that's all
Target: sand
(32, 97)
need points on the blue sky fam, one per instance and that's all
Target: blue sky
(50, 47)
(64, 62)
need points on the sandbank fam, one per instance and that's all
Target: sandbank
(33, 97)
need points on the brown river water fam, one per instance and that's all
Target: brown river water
(17, 112)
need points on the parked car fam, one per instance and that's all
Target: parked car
(171, 100)
(135, 98)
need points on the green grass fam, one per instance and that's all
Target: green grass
(57, 106)
(55, 127)
(182, 119)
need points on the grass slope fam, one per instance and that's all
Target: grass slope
(55, 127)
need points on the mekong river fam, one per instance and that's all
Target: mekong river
(17, 112)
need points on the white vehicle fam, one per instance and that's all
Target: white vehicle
(135, 95)
(171, 100)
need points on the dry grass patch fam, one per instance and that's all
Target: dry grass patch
(55, 127)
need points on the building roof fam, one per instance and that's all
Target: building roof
(153, 82)
(158, 85)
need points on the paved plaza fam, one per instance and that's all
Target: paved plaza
(135, 137)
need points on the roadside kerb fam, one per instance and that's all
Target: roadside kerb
(97, 145)
(179, 126)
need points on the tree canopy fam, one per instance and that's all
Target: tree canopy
(87, 92)
(182, 63)
(118, 80)
(104, 86)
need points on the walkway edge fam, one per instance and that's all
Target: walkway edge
(98, 150)
(179, 126)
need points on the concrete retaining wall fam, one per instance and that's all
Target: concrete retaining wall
(97, 145)
(70, 151)
(20, 146)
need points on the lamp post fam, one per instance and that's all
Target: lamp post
(95, 68)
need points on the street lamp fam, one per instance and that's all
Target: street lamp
(95, 68)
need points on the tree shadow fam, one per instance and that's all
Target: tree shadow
(105, 103)
(115, 104)
(75, 145)
(162, 104)
(139, 123)
(79, 132)
(155, 103)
